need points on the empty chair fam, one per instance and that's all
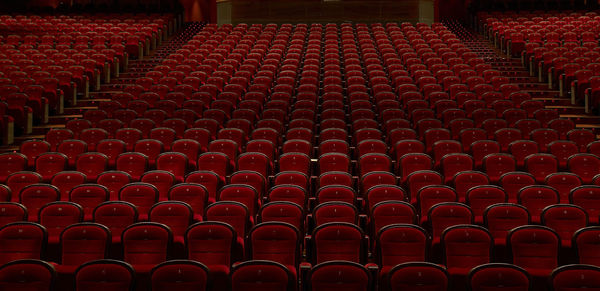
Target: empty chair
(35, 196)
(132, 163)
(210, 180)
(586, 166)
(180, 275)
(145, 244)
(290, 193)
(498, 275)
(12, 212)
(465, 247)
(334, 162)
(400, 243)
(374, 162)
(216, 162)
(244, 194)
(113, 181)
(12, 163)
(563, 183)
(565, 220)
(67, 180)
(431, 195)
(212, 243)
(335, 178)
(258, 162)
(535, 198)
(27, 275)
(499, 219)
(251, 178)
(541, 165)
(195, 195)
(336, 193)
(420, 179)
(31, 149)
(465, 180)
(453, 163)
(298, 162)
(535, 249)
(275, 241)
(418, 276)
(513, 182)
(142, 195)
(81, 243)
(22, 240)
(341, 274)
(480, 197)
(50, 163)
(102, 274)
(444, 215)
(572, 277)
(174, 163)
(333, 211)
(162, 180)
(255, 275)
(585, 245)
(176, 215)
(497, 164)
(88, 196)
(337, 241)
(233, 213)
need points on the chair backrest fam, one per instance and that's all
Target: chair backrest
(231, 212)
(142, 195)
(499, 219)
(275, 241)
(391, 212)
(22, 240)
(572, 277)
(283, 211)
(418, 276)
(446, 214)
(337, 241)
(585, 244)
(401, 243)
(334, 211)
(180, 275)
(499, 275)
(210, 243)
(84, 242)
(146, 243)
(12, 212)
(341, 274)
(176, 215)
(88, 196)
(565, 219)
(35, 196)
(466, 246)
(116, 215)
(102, 274)
(255, 275)
(534, 248)
(56, 216)
(27, 275)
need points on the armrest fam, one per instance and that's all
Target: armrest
(550, 74)
(307, 247)
(310, 223)
(374, 271)
(586, 99)
(363, 220)
(574, 85)
(561, 85)
(303, 275)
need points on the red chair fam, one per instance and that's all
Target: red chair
(400, 243)
(27, 274)
(142, 195)
(101, 274)
(180, 274)
(574, 277)
(565, 220)
(587, 197)
(535, 249)
(465, 247)
(22, 240)
(495, 275)
(81, 243)
(418, 276)
(326, 243)
(145, 244)
(252, 275)
(339, 273)
(88, 196)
